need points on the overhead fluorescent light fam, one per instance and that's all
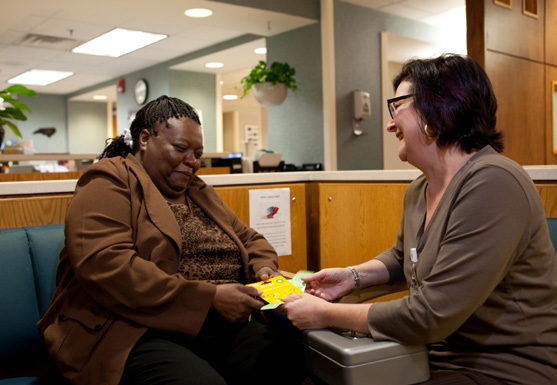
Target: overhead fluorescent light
(230, 97)
(198, 12)
(100, 97)
(40, 77)
(260, 51)
(118, 42)
(214, 65)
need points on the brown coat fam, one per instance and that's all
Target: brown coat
(117, 275)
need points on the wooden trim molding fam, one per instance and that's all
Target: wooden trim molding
(503, 3)
(531, 8)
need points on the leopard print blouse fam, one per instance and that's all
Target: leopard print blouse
(208, 253)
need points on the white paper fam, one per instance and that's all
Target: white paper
(269, 214)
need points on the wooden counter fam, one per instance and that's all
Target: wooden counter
(337, 218)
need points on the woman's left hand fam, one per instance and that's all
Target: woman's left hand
(265, 273)
(236, 302)
(306, 311)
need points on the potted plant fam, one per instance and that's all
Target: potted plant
(16, 112)
(270, 85)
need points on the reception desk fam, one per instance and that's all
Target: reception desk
(337, 218)
(81, 162)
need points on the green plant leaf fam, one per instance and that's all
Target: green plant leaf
(16, 112)
(17, 104)
(14, 128)
(19, 89)
(13, 113)
(276, 73)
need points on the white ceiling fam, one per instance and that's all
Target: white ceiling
(82, 21)
(428, 11)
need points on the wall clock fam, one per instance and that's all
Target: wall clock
(140, 91)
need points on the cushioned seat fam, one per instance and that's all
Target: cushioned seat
(20, 310)
(22, 381)
(552, 223)
(28, 261)
(45, 243)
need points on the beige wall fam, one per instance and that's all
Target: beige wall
(234, 123)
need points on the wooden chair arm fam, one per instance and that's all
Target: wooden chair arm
(374, 292)
(286, 274)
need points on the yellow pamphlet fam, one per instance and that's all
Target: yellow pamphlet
(274, 289)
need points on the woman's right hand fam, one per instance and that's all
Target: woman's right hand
(330, 284)
(235, 302)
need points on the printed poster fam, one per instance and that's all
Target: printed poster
(269, 214)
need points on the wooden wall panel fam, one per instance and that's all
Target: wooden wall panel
(548, 194)
(550, 77)
(475, 30)
(510, 31)
(512, 39)
(33, 176)
(357, 221)
(213, 170)
(519, 87)
(551, 32)
(237, 198)
(34, 211)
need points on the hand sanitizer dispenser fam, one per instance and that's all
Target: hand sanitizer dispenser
(362, 110)
(362, 107)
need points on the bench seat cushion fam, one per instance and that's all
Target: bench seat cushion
(45, 243)
(19, 310)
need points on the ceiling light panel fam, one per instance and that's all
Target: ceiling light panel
(118, 42)
(198, 12)
(37, 77)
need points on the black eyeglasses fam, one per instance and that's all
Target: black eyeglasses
(391, 103)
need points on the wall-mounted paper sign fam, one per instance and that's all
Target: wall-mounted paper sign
(269, 214)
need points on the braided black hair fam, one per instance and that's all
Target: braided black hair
(154, 112)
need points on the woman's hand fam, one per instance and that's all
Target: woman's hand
(330, 284)
(236, 302)
(265, 273)
(306, 311)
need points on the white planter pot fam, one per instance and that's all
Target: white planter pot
(268, 94)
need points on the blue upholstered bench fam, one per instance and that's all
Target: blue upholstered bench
(28, 261)
(552, 223)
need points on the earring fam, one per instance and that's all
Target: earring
(427, 133)
(144, 145)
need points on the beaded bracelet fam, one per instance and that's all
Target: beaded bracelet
(356, 277)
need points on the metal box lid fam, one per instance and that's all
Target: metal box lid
(353, 351)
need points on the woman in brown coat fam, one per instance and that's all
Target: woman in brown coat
(151, 282)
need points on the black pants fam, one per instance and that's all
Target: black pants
(222, 354)
(453, 377)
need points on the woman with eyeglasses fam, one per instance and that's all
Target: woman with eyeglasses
(473, 245)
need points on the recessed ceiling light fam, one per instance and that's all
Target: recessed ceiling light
(260, 51)
(214, 65)
(40, 77)
(230, 97)
(100, 97)
(118, 42)
(198, 12)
